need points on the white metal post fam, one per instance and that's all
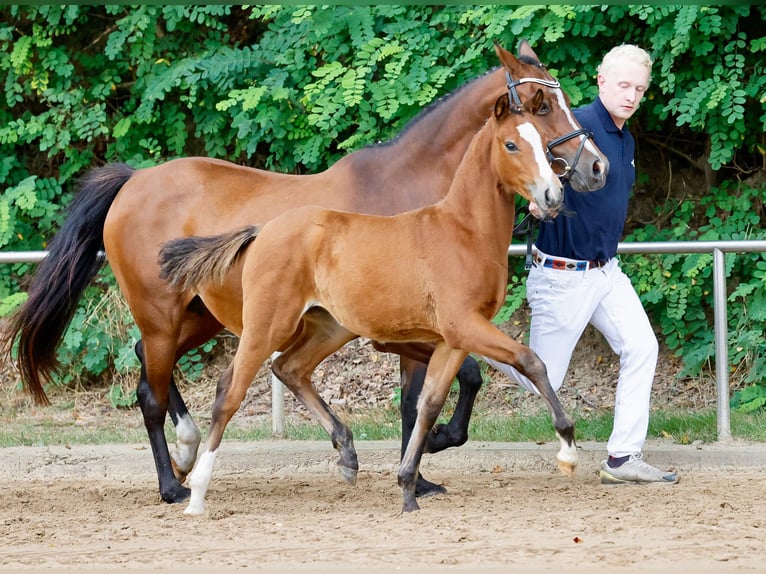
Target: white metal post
(721, 345)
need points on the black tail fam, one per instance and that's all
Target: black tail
(73, 260)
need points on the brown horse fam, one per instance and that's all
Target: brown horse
(386, 278)
(130, 213)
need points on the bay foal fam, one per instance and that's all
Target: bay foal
(312, 279)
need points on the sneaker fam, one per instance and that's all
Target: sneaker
(635, 470)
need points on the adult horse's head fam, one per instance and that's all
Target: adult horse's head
(569, 148)
(518, 155)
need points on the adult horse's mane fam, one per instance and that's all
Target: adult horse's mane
(443, 100)
(428, 110)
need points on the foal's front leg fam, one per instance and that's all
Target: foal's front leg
(487, 340)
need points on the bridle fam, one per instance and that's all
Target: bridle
(560, 166)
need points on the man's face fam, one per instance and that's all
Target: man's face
(621, 90)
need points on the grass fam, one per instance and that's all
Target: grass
(126, 427)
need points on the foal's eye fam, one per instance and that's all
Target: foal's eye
(544, 110)
(510, 146)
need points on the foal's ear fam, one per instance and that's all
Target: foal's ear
(502, 106)
(533, 106)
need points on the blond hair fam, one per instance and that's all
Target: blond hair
(622, 53)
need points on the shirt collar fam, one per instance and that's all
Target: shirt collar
(606, 119)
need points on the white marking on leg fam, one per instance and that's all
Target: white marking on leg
(188, 438)
(199, 480)
(567, 456)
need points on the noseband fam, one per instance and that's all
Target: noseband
(560, 166)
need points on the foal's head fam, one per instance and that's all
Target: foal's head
(518, 156)
(568, 147)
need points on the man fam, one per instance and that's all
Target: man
(576, 278)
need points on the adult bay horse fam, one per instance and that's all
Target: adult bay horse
(385, 278)
(129, 213)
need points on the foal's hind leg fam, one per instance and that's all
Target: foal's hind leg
(230, 393)
(320, 336)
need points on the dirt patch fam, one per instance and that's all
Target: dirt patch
(281, 506)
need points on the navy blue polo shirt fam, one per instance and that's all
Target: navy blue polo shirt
(596, 226)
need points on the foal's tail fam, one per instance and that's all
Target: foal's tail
(190, 262)
(73, 260)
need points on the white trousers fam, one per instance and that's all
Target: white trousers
(562, 303)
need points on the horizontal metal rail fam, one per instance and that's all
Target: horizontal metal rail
(717, 248)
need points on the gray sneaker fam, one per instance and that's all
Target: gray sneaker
(635, 470)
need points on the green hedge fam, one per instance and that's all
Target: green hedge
(294, 88)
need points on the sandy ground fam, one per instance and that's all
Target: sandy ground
(281, 506)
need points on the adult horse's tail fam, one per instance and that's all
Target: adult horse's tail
(73, 260)
(189, 262)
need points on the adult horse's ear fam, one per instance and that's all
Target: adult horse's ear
(508, 60)
(502, 106)
(526, 50)
(533, 105)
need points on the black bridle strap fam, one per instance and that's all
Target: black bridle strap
(513, 95)
(567, 169)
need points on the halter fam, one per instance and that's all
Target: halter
(560, 166)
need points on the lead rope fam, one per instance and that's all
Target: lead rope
(527, 226)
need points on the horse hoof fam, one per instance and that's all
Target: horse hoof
(567, 467)
(425, 488)
(348, 474)
(176, 495)
(179, 473)
(194, 509)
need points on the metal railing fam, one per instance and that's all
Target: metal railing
(717, 248)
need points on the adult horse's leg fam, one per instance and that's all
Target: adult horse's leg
(442, 368)
(413, 360)
(455, 432)
(188, 437)
(442, 435)
(199, 326)
(153, 400)
(319, 337)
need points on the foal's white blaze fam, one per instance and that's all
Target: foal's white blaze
(563, 106)
(199, 480)
(187, 442)
(567, 456)
(549, 181)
